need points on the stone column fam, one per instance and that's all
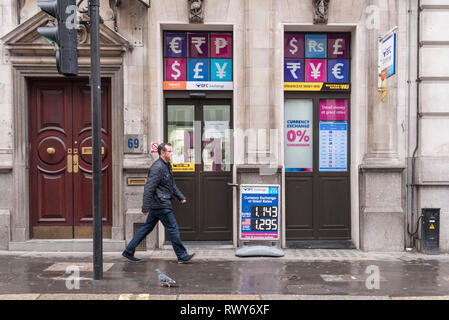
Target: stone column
(381, 173)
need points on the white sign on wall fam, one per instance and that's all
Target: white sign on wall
(387, 54)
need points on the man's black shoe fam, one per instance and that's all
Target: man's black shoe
(130, 257)
(187, 259)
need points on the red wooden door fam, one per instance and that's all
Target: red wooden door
(51, 141)
(60, 174)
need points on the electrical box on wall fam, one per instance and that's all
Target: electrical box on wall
(430, 231)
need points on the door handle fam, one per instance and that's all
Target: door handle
(233, 184)
(69, 161)
(75, 160)
(51, 150)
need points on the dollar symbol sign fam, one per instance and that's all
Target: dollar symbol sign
(293, 43)
(174, 67)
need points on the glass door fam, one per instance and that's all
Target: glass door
(200, 133)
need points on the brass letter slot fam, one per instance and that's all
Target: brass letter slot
(88, 150)
(137, 181)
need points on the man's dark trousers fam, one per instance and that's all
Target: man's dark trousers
(167, 217)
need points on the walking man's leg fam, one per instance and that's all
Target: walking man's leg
(168, 220)
(147, 227)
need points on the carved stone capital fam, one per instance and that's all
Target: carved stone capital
(320, 11)
(196, 9)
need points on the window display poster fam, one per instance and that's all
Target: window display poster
(298, 130)
(316, 61)
(333, 146)
(334, 110)
(198, 61)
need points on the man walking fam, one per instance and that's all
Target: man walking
(158, 192)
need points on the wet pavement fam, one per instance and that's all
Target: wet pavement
(390, 276)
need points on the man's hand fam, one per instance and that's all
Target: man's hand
(183, 201)
(145, 213)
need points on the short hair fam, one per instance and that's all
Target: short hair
(162, 147)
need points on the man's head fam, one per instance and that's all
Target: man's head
(165, 151)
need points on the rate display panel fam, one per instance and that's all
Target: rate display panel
(259, 212)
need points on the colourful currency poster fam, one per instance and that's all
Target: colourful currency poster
(221, 45)
(338, 71)
(175, 70)
(294, 70)
(317, 61)
(294, 45)
(338, 45)
(316, 45)
(198, 45)
(198, 61)
(175, 45)
(198, 69)
(316, 70)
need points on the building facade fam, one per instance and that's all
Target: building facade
(270, 92)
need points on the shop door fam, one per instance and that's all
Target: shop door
(60, 159)
(199, 131)
(317, 177)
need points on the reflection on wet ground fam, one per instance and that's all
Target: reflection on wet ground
(253, 276)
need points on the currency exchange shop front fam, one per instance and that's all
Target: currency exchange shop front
(317, 139)
(198, 114)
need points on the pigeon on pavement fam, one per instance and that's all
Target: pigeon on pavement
(164, 280)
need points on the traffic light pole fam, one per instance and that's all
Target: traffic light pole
(95, 83)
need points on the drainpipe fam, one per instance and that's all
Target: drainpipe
(418, 117)
(409, 84)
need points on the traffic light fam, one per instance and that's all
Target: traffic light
(64, 34)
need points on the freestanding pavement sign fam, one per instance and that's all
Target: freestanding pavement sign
(259, 219)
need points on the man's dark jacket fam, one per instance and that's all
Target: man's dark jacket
(160, 187)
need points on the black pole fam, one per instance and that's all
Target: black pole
(95, 83)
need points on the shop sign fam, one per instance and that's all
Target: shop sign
(198, 61)
(387, 55)
(316, 62)
(259, 212)
(183, 167)
(334, 110)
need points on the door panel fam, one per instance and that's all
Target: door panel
(186, 213)
(216, 208)
(333, 222)
(82, 136)
(299, 211)
(50, 142)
